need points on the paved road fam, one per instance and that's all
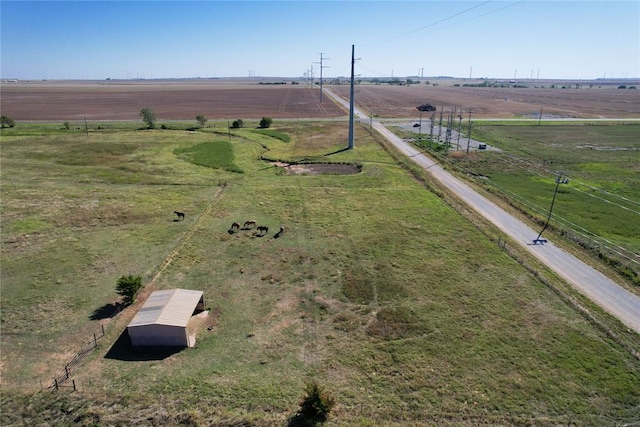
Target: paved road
(600, 289)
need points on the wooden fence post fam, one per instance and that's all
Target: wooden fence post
(55, 383)
(74, 384)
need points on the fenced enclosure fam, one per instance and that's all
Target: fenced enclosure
(63, 377)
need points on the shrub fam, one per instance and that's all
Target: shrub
(149, 117)
(426, 107)
(128, 286)
(7, 121)
(265, 122)
(237, 124)
(316, 405)
(201, 119)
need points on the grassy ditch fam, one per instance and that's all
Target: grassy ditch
(377, 290)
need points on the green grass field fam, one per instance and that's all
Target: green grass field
(598, 208)
(400, 306)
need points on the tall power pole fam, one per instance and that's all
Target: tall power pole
(559, 180)
(321, 67)
(469, 132)
(351, 98)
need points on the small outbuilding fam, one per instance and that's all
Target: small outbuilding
(163, 319)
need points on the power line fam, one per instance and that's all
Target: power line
(605, 243)
(609, 193)
(577, 229)
(534, 166)
(435, 23)
(606, 201)
(321, 67)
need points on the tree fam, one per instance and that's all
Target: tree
(149, 117)
(426, 107)
(265, 122)
(237, 124)
(128, 286)
(7, 121)
(316, 405)
(201, 119)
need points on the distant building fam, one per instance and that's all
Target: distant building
(163, 319)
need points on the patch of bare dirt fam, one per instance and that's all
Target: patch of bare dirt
(319, 169)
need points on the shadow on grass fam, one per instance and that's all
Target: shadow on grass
(107, 311)
(123, 350)
(299, 420)
(337, 151)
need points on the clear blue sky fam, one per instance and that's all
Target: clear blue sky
(165, 39)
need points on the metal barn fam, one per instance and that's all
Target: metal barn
(163, 319)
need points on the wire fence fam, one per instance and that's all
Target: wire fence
(60, 380)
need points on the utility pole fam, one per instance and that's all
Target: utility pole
(459, 130)
(450, 124)
(433, 116)
(351, 97)
(440, 124)
(540, 116)
(469, 132)
(321, 67)
(559, 180)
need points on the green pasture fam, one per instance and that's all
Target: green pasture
(601, 202)
(400, 306)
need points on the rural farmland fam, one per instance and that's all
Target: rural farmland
(382, 288)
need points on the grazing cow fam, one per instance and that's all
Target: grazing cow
(235, 226)
(180, 215)
(249, 224)
(279, 233)
(263, 229)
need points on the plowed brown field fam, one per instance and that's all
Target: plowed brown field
(221, 99)
(486, 102)
(180, 100)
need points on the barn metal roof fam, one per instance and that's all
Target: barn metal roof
(172, 307)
